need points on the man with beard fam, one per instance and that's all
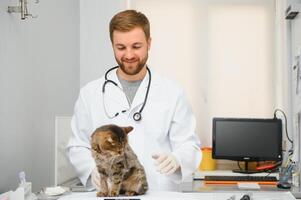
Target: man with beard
(130, 94)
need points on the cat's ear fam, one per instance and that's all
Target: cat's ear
(95, 142)
(95, 147)
(127, 129)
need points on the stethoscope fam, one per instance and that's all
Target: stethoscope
(137, 115)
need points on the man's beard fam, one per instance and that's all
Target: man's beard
(136, 69)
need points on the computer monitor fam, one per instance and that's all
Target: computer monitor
(245, 139)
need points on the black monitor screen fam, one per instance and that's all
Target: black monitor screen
(245, 139)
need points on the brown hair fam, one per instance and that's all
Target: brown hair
(127, 20)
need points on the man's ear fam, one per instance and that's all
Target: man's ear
(127, 129)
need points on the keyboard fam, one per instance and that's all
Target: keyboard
(262, 180)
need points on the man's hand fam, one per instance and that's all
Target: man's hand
(95, 179)
(166, 163)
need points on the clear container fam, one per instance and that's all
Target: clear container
(285, 175)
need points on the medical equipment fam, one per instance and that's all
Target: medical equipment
(292, 11)
(137, 115)
(22, 9)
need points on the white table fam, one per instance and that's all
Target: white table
(160, 195)
(199, 186)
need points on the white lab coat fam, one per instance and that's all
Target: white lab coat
(167, 126)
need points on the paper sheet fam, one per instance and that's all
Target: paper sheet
(244, 186)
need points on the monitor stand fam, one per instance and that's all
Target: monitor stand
(246, 170)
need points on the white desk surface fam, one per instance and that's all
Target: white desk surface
(201, 174)
(161, 195)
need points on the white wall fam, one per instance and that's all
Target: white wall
(293, 63)
(96, 54)
(39, 79)
(291, 36)
(221, 51)
(295, 32)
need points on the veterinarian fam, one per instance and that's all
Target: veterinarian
(131, 94)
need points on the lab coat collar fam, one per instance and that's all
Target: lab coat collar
(141, 92)
(116, 95)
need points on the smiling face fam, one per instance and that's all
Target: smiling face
(131, 52)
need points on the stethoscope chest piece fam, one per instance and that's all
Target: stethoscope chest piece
(137, 116)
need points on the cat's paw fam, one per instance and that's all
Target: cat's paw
(130, 193)
(102, 194)
(113, 194)
(142, 188)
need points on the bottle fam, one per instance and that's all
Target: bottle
(207, 163)
(25, 185)
(295, 174)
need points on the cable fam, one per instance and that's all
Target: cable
(269, 173)
(276, 167)
(238, 165)
(288, 138)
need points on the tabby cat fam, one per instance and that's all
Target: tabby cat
(118, 166)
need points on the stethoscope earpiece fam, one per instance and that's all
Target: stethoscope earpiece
(137, 115)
